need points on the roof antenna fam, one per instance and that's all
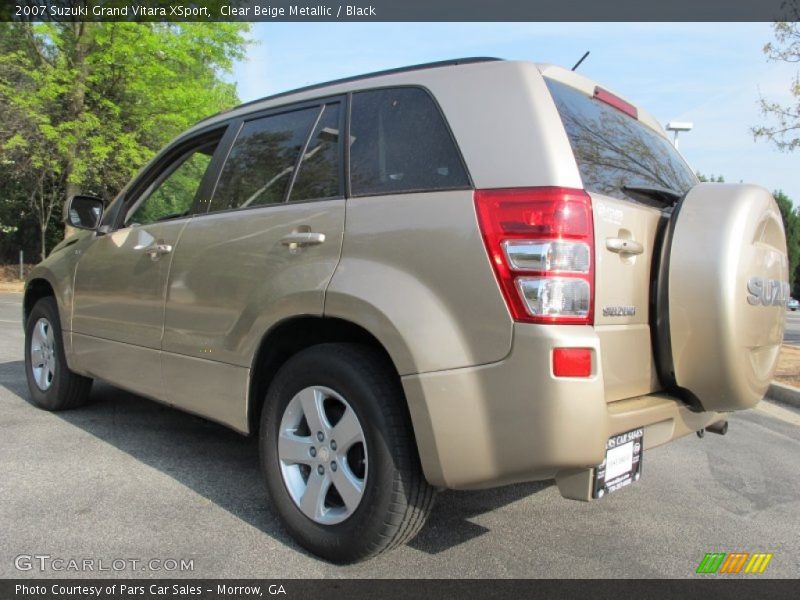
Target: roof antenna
(583, 58)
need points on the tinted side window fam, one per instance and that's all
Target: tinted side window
(318, 176)
(262, 160)
(400, 143)
(173, 195)
(614, 150)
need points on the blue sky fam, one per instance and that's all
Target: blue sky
(707, 73)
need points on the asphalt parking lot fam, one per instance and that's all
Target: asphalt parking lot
(792, 333)
(127, 478)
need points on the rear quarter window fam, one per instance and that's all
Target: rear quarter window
(399, 142)
(614, 150)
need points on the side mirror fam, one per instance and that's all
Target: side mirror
(84, 212)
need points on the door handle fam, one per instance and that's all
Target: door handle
(300, 239)
(622, 246)
(155, 251)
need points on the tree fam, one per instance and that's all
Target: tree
(791, 224)
(84, 105)
(784, 127)
(711, 179)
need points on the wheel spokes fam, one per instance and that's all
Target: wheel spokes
(349, 487)
(41, 376)
(42, 330)
(294, 449)
(313, 500)
(347, 430)
(311, 399)
(315, 456)
(37, 357)
(42, 354)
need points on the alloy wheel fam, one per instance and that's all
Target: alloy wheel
(43, 354)
(323, 455)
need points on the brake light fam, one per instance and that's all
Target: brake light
(540, 242)
(617, 102)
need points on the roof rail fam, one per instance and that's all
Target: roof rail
(420, 67)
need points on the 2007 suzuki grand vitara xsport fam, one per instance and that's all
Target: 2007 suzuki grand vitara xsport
(456, 275)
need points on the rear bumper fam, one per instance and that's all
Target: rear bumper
(514, 421)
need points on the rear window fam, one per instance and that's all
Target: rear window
(400, 143)
(613, 150)
(318, 175)
(262, 160)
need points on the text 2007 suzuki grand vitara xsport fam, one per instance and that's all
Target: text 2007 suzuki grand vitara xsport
(457, 275)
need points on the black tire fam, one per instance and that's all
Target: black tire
(67, 389)
(396, 499)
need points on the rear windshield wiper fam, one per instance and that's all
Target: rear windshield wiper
(662, 196)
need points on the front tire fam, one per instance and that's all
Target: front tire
(51, 384)
(338, 454)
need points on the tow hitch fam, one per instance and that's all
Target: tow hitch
(720, 427)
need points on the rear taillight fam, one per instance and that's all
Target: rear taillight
(541, 245)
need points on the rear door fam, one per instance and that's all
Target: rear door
(631, 172)
(265, 250)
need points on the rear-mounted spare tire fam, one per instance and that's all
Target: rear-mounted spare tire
(719, 296)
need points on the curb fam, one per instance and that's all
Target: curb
(784, 394)
(12, 287)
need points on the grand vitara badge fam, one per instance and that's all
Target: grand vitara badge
(767, 292)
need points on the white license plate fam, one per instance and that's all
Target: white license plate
(623, 463)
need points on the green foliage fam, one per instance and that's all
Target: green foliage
(711, 179)
(783, 129)
(175, 195)
(791, 224)
(85, 105)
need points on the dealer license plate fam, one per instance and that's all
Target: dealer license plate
(623, 463)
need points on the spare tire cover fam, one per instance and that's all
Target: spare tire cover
(724, 286)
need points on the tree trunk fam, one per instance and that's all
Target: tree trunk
(76, 107)
(43, 240)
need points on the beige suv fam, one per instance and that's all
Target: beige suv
(456, 275)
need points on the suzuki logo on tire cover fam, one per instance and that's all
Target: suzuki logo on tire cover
(769, 292)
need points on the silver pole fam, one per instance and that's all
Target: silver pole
(21, 264)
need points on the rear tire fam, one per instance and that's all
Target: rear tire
(384, 499)
(52, 385)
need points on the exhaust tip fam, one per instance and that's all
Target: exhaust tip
(720, 427)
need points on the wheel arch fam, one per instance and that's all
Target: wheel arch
(35, 290)
(290, 336)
